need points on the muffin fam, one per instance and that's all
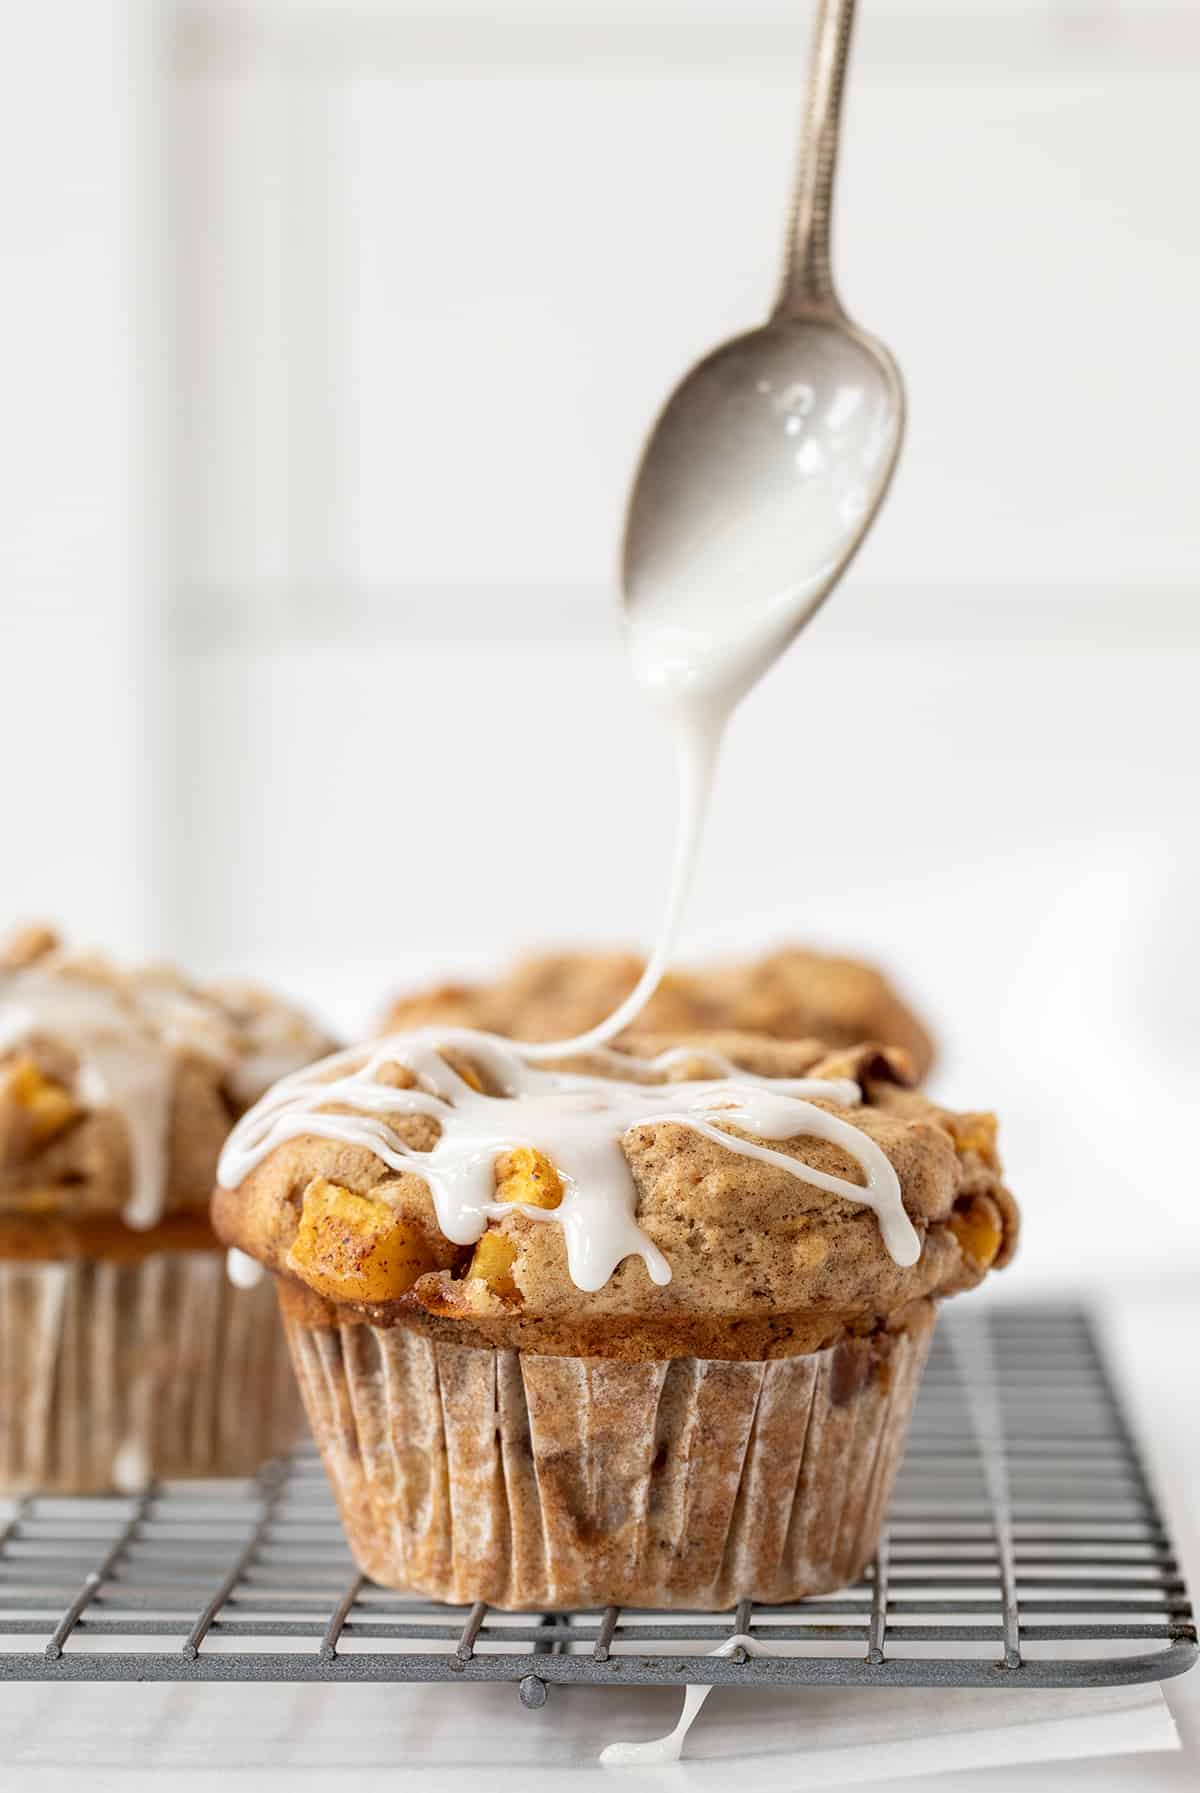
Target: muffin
(126, 1355)
(644, 1328)
(791, 994)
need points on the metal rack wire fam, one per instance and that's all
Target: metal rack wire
(1023, 1547)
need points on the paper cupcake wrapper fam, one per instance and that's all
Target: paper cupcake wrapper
(113, 1375)
(538, 1482)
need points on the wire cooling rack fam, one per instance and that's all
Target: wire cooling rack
(1023, 1547)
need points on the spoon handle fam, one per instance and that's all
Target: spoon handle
(807, 285)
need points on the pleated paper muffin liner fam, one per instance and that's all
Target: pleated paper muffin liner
(113, 1375)
(537, 1482)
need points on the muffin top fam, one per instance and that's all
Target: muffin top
(733, 1195)
(791, 994)
(118, 1089)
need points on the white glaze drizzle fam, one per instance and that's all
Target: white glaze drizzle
(698, 744)
(125, 1030)
(131, 1467)
(244, 1272)
(696, 651)
(670, 1747)
(577, 1120)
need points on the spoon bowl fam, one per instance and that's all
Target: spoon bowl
(761, 477)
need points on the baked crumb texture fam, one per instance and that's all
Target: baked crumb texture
(791, 994)
(65, 1159)
(763, 1264)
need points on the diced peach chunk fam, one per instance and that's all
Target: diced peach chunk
(977, 1226)
(47, 1106)
(975, 1133)
(492, 1263)
(355, 1248)
(526, 1176)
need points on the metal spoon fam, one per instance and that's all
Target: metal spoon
(770, 460)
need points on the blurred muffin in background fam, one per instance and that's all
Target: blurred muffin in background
(791, 994)
(125, 1352)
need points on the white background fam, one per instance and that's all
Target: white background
(329, 333)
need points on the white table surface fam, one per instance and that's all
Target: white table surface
(256, 1739)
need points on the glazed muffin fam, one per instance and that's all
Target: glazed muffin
(640, 1329)
(791, 994)
(125, 1353)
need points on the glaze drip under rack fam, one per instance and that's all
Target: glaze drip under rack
(1023, 1548)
